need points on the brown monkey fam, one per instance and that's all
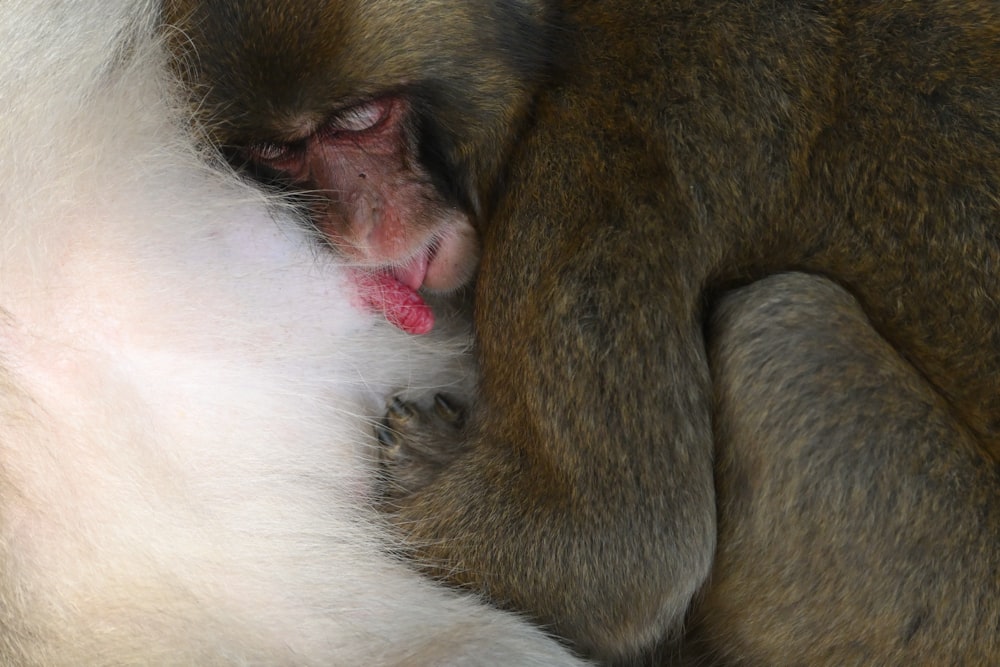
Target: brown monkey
(859, 519)
(623, 162)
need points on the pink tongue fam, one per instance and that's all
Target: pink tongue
(399, 301)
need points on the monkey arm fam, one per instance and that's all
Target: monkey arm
(584, 492)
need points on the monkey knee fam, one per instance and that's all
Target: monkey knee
(646, 602)
(782, 304)
(639, 622)
(786, 325)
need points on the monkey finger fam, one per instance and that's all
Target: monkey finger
(448, 410)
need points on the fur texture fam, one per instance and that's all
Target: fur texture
(186, 385)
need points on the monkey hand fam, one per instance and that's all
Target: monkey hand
(417, 442)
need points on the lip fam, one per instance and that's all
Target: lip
(413, 272)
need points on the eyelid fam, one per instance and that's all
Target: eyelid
(270, 152)
(359, 118)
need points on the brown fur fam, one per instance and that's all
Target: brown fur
(864, 532)
(624, 162)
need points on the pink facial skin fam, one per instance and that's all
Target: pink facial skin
(378, 207)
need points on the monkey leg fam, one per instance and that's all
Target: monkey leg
(859, 523)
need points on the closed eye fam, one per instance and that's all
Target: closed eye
(273, 153)
(357, 119)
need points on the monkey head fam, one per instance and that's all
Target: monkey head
(392, 117)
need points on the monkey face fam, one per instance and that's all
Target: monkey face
(384, 116)
(370, 198)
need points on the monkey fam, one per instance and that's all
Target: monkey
(890, 561)
(187, 385)
(621, 165)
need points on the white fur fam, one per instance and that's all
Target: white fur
(186, 392)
